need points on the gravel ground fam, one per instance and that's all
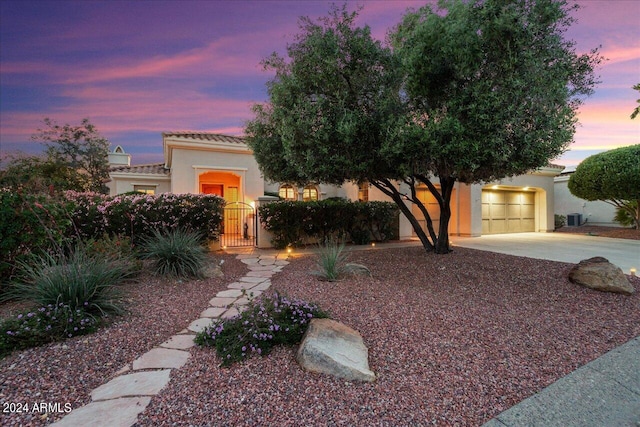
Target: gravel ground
(596, 230)
(67, 372)
(454, 339)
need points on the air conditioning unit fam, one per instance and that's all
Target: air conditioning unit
(574, 219)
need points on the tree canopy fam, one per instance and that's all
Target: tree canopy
(612, 177)
(471, 92)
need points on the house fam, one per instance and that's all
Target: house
(210, 163)
(593, 213)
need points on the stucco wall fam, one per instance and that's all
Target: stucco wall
(594, 213)
(120, 185)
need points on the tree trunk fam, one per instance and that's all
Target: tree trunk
(446, 188)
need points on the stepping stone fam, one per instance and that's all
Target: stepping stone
(265, 273)
(198, 325)
(139, 384)
(282, 262)
(221, 302)
(258, 267)
(267, 261)
(230, 293)
(245, 256)
(273, 257)
(121, 412)
(241, 302)
(159, 358)
(212, 312)
(262, 286)
(247, 279)
(126, 368)
(179, 342)
(241, 285)
(250, 261)
(230, 313)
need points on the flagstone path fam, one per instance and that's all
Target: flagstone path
(119, 401)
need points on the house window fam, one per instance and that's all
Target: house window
(287, 192)
(146, 189)
(310, 193)
(363, 191)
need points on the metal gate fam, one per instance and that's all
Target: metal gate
(239, 225)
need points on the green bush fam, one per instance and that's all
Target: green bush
(138, 215)
(559, 221)
(267, 322)
(177, 253)
(331, 261)
(78, 280)
(29, 224)
(46, 324)
(623, 216)
(292, 222)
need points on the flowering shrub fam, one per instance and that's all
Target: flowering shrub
(291, 222)
(43, 325)
(28, 224)
(137, 215)
(267, 321)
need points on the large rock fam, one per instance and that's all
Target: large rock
(329, 347)
(599, 274)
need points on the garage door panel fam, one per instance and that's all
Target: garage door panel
(506, 211)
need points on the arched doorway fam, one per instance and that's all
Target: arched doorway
(240, 227)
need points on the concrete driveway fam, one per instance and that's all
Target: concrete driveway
(563, 247)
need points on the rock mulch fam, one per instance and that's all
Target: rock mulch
(121, 400)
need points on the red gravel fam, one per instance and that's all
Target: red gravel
(454, 339)
(67, 372)
(597, 230)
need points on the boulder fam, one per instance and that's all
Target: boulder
(599, 274)
(329, 347)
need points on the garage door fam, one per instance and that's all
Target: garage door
(507, 211)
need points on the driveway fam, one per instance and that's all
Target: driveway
(562, 247)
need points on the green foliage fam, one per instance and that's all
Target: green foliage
(37, 175)
(474, 92)
(46, 324)
(292, 222)
(623, 214)
(559, 221)
(331, 260)
(612, 176)
(80, 148)
(176, 253)
(138, 215)
(29, 224)
(78, 280)
(267, 321)
(636, 111)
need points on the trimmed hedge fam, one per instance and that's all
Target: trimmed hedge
(292, 223)
(138, 215)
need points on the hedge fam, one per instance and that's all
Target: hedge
(293, 223)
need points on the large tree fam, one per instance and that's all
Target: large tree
(80, 148)
(473, 92)
(612, 177)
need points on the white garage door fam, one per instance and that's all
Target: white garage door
(507, 211)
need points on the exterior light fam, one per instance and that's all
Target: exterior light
(632, 271)
(526, 188)
(373, 244)
(495, 187)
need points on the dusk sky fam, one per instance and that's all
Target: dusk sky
(138, 68)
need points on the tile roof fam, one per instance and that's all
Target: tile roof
(154, 169)
(206, 136)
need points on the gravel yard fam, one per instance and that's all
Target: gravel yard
(454, 339)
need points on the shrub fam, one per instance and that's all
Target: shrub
(177, 253)
(78, 280)
(559, 221)
(29, 224)
(623, 215)
(331, 261)
(292, 222)
(43, 325)
(267, 321)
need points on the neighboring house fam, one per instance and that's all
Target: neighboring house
(592, 213)
(209, 163)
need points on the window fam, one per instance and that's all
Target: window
(310, 193)
(146, 189)
(287, 192)
(363, 191)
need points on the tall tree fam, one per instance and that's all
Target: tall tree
(474, 92)
(40, 175)
(80, 148)
(636, 111)
(612, 177)
(493, 88)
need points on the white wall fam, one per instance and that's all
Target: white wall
(595, 213)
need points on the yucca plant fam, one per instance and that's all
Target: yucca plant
(177, 253)
(332, 262)
(77, 280)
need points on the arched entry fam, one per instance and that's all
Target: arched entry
(239, 227)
